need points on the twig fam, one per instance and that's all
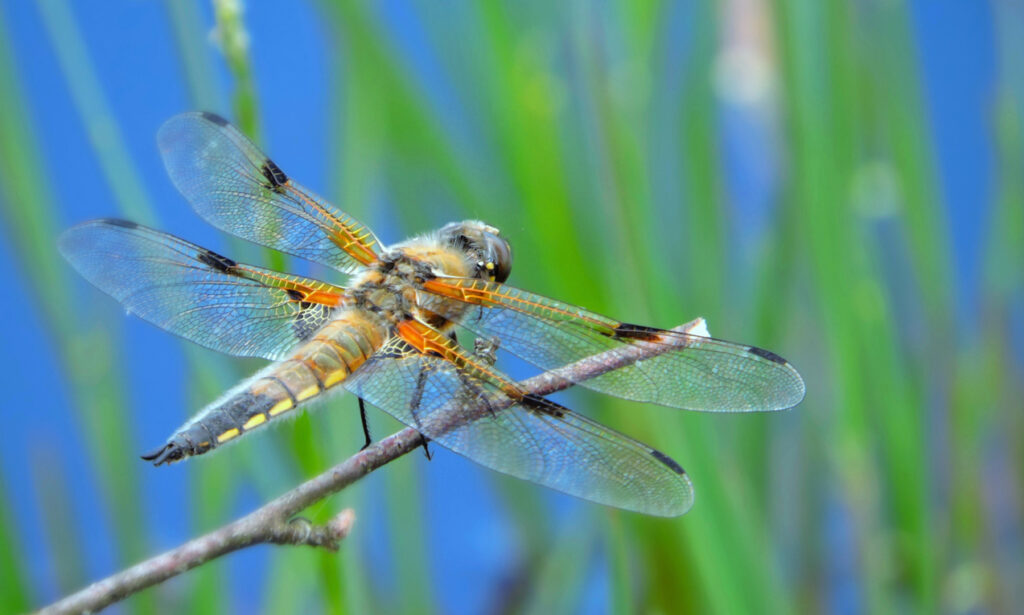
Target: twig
(273, 523)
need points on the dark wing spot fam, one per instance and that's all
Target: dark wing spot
(766, 354)
(294, 295)
(274, 174)
(536, 403)
(309, 319)
(216, 261)
(121, 223)
(637, 332)
(214, 118)
(665, 459)
(395, 349)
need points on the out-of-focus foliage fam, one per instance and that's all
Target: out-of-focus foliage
(770, 166)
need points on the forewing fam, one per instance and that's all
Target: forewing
(198, 294)
(238, 189)
(525, 436)
(686, 371)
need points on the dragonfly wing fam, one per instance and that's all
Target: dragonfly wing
(198, 294)
(686, 371)
(522, 435)
(238, 189)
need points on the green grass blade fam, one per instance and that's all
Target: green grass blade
(29, 214)
(94, 111)
(193, 50)
(14, 591)
(233, 39)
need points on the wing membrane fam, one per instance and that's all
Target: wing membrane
(198, 294)
(235, 187)
(498, 426)
(695, 373)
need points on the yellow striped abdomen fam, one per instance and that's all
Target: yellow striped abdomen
(318, 365)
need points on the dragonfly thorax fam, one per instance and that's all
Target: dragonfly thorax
(390, 286)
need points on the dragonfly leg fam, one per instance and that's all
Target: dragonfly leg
(486, 349)
(366, 427)
(471, 394)
(414, 406)
(417, 394)
(369, 440)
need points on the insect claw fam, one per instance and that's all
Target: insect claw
(366, 427)
(165, 454)
(153, 454)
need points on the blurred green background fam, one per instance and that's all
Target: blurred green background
(840, 182)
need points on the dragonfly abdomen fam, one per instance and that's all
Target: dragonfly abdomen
(318, 365)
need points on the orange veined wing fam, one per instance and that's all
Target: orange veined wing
(427, 382)
(693, 372)
(198, 294)
(238, 189)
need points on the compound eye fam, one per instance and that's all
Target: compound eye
(500, 264)
(501, 273)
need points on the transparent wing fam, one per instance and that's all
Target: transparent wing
(502, 428)
(198, 294)
(694, 372)
(235, 187)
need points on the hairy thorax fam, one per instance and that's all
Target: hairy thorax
(389, 287)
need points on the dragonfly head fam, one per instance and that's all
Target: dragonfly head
(484, 245)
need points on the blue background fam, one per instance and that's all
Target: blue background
(132, 48)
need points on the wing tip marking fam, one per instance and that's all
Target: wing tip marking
(213, 118)
(217, 261)
(668, 461)
(120, 223)
(636, 332)
(543, 405)
(274, 174)
(766, 354)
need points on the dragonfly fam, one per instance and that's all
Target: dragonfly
(390, 336)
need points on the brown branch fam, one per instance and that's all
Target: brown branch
(274, 523)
